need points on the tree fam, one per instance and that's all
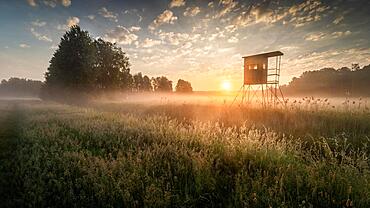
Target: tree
(183, 86)
(138, 82)
(20, 87)
(141, 84)
(333, 82)
(112, 67)
(81, 66)
(147, 85)
(72, 67)
(162, 84)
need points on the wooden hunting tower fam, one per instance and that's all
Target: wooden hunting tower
(262, 70)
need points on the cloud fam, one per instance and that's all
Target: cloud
(289, 48)
(104, 12)
(54, 3)
(230, 28)
(66, 3)
(320, 35)
(338, 20)
(134, 12)
(135, 28)
(218, 34)
(306, 12)
(38, 23)
(140, 17)
(191, 11)
(54, 47)
(173, 38)
(315, 36)
(39, 36)
(228, 6)
(23, 45)
(296, 15)
(50, 3)
(150, 43)
(32, 3)
(340, 34)
(177, 3)
(329, 58)
(261, 13)
(233, 40)
(121, 35)
(166, 17)
(91, 17)
(71, 21)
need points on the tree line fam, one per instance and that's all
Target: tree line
(354, 81)
(19, 87)
(82, 66)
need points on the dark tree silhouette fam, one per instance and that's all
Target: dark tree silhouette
(73, 64)
(18, 87)
(112, 67)
(332, 82)
(81, 66)
(141, 84)
(162, 84)
(183, 86)
(72, 67)
(138, 82)
(146, 85)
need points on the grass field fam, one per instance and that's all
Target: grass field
(182, 155)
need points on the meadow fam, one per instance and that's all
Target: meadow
(309, 154)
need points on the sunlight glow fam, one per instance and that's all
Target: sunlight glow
(226, 85)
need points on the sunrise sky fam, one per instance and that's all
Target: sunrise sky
(201, 41)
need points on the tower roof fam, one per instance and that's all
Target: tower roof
(265, 55)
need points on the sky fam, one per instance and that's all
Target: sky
(202, 41)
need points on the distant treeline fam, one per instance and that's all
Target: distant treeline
(332, 82)
(324, 82)
(83, 66)
(16, 87)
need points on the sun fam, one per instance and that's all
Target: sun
(226, 85)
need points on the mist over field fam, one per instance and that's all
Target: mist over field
(185, 103)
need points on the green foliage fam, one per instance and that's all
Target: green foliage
(183, 86)
(146, 84)
(112, 67)
(162, 84)
(72, 66)
(68, 156)
(82, 65)
(328, 81)
(141, 84)
(20, 87)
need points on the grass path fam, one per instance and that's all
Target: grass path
(9, 126)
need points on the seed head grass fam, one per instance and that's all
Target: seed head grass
(159, 157)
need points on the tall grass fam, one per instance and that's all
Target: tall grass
(69, 156)
(306, 123)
